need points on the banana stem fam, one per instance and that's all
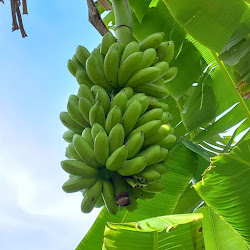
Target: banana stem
(123, 21)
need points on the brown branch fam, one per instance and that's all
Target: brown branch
(95, 18)
(25, 9)
(20, 21)
(13, 4)
(105, 4)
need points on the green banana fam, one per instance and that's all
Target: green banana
(128, 67)
(68, 135)
(116, 137)
(154, 114)
(117, 46)
(73, 66)
(171, 74)
(163, 132)
(159, 167)
(168, 141)
(108, 194)
(107, 40)
(164, 106)
(103, 97)
(163, 155)
(144, 103)
(172, 131)
(150, 175)
(114, 117)
(149, 129)
(131, 48)
(84, 107)
(67, 155)
(82, 54)
(73, 98)
(96, 128)
(134, 97)
(82, 77)
(152, 90)
(133, 166)
(132, 182)
(134, 144)
(96, 53)
(78, 168)
(152, 41)
(121, 100)
(133, 205)
(169, 52)
(146, 195)
(131, 116)
(152, 154)
(75, 59)
(101, 147)
(85, 151)
(92, 195)
(163, 66)
(97, 114)
(159, 81)
(156, 187)
(84, 91)
(127, 91)
(162, 49)
(74, 112)
(72, 152)
(117, 158)
(95, 72)
(68, 122)
(100, 202)
(143, 76)
(149, 56)
(86, 134)
(77, 183)
(94, 89)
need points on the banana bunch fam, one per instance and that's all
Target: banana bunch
(118, 144)
(142, 66)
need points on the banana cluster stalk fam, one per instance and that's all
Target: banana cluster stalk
(119, 131)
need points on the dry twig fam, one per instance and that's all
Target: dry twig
(105, 4)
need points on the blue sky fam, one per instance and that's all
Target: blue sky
(35, 84)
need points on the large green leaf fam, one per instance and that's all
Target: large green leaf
(225, 188)
(180, 171)
(149, 233)
(218, 235)
(209, 22)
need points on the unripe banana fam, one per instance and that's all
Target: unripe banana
(152, 154)
(73, 98)
(152, 41)
(134, 97)
(128, 67)
(74, 112)
(95, 72)
(131, 48)
(162, 49)
(72, 152)
(163, 66)
(108, 194)
(92, 195)
(101, 148)
(75, 59)
(100, 202)
(154, 114)
(133, 166)
(117, 158)
(171, 74)
(103, 97)
(116, 138)
(82, 54)
(148, 59)
(146, 195)
(152, 90)
(143, 76)
(150, 175)
(99, 57)
(132, 182)
(131, 116)
(107, 40)
(73, 66)
(163, 155)
(154, 103)
(67, 155)
(85, 151)
(114, 117)
(84, 107)
(149, 129)
(68, 122)
(95, 88)
(156, 187)
(134, 144)
(84, 91)
(172, 131)
(97, 114)
(163, 132)
(127, 91)
(82, 77)
(168, 141)
(68, 135)
(159, 167)
(77, 183)
(144, 103)
(121, 100)
(160, 82)
(133, 205)
(86, 134)
(117, 46)
(164, 106)
(169, 52)
(78, 168)
(96, 128)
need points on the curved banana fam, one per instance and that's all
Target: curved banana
(72, 152)
(84, 107)
(100, 202)
(163, 66)
(117, 158)
(154, 114)
(127, 91)
(159, 167)
(114, 117)
(97, 114)
(152, 90)
(68, 135)
(168, 141)
(169, 52)
(146, 195)
(134, 144)
(163, 155)
(144, 103)
(131, 48)
(134, 97)
(107, 40)
(121, 100)
(73, 66)
(150, 175)
(149, 56)
(86, 134)
(156, 187)
(103, 97)
(152, 41)
(68, 122)
(82, 54)
(82, 77)
(162, 49)
(95, 88)
(75, 59)
(101, 148)
(152, 154)
(96, 128)
(84, 91)
(171, 74)
(116, 137)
